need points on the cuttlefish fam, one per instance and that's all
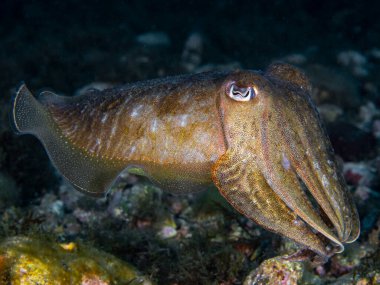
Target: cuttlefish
(254, 135)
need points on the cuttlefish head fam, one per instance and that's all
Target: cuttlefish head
(279, 168)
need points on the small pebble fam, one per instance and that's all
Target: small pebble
(355, 61)
(192, 52)
(57, 208)
(295, 58)
(154, 39)
(358, 174)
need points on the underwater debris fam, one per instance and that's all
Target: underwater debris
(30, 261)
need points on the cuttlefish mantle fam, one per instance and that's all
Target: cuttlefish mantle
(256, 136)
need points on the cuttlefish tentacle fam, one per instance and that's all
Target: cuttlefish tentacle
(280, 174)
(253, 197)
(331, 182)
(355, 228)
(305, 162)
(261, 148)
(313, 160)
(289, 146)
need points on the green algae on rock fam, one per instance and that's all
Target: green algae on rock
(25, 260)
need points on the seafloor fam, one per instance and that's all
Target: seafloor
(54, 235)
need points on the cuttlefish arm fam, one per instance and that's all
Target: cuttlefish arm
(256, 136)
(247, 190)
(275, 146)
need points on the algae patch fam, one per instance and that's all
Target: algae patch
(25, 260)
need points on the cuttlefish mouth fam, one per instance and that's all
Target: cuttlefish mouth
(279, 168)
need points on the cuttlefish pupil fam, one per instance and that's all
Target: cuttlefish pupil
(186, 134)
(242, 94)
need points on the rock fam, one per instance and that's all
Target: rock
(25, 260)
(341, 264)
(375, 53)
(157, 39)
(276, 271)
(330, 112)
(363, 193)
(368, 273)
(366, 114)
(358, 174)
(294, 58)
(355, 61)
(192, 52)
(167, 229)
(376, 128)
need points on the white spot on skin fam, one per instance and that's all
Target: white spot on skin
(298, 222)
(136, 111)
(285, 162)
(195, 156)
(154, 125)
(72, 130)
(95, 146)
(325, 181)
(127, 100)
(214, 157)
(185, 98)
(104, 118)
(132, 150)
(83, 109)
(202, 137)
(163, 156)
(183, 120)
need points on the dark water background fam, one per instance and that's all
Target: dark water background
(65, 45)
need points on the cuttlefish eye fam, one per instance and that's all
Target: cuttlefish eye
(240, 93)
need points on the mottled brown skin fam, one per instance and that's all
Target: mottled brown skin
(169, 128)
(188, 132)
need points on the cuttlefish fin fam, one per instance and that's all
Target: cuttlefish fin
(246, 189)
(290, 74)
(86, 173)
